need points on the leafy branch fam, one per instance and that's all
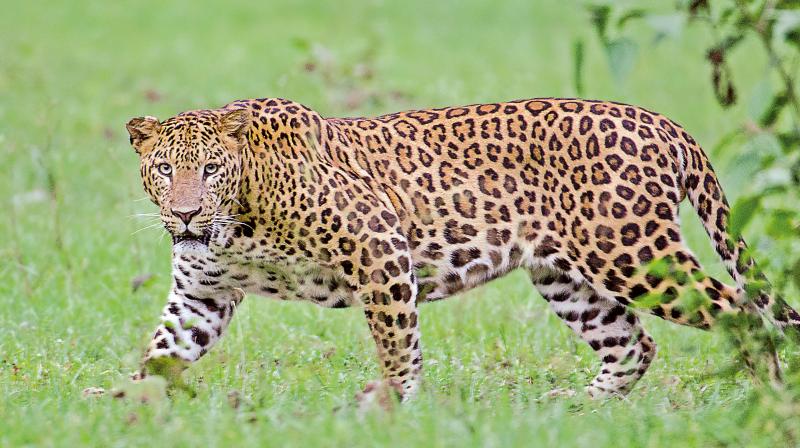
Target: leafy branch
(772, 200)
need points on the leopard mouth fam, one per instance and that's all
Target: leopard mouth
(189, 237)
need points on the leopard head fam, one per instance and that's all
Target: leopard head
(191, 168)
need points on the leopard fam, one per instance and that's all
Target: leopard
(267, 197)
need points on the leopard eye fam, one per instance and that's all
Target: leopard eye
(165, 169)
(210, 169)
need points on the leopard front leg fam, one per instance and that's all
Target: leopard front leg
(190, 326)
(391, 313)
(379, 269)
(373, 256)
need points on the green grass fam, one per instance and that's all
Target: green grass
(72, 73)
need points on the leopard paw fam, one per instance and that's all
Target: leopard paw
(383, 394)
(559, 392)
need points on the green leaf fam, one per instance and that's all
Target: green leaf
(759, 99)
(190, 323)
(794, 273)
(743, 211)
(649, 300)
(789, 140)
(666, 25)
(755, 287)
(621, 54)
(169, 369)
(693, 300)
(578, 60)
(630, 15)
(787, 26)
(695, 6)
(744, 165)
(680, 276)
(698, 276)
(725, 14)
(766, 145)
(600, 15)
(727, 140)
(660, 267)
(793, 37)
(781, 223)
(771, 114)
(721, 80)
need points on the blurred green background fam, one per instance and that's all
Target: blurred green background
(72, 73)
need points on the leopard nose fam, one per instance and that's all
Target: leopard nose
(185, 215)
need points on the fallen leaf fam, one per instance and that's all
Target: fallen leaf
(93, 392)
(234, 399)
(152, 95)
(558, 393)
(132, 418)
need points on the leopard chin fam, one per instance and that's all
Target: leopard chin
(191, 239)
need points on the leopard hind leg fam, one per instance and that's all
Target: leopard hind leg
(609, 327)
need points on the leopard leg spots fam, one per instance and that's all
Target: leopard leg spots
(384, 281)
(394, 324)
(190, 326)
(611, 329)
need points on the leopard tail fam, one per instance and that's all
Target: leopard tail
(705, 193)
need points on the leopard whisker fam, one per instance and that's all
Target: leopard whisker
(151, 226)
(232, 221)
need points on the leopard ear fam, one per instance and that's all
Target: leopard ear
(143, 132)
(234, 123)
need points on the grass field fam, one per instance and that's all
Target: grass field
(72, 73)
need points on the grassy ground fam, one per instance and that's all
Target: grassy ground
(72, 73)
